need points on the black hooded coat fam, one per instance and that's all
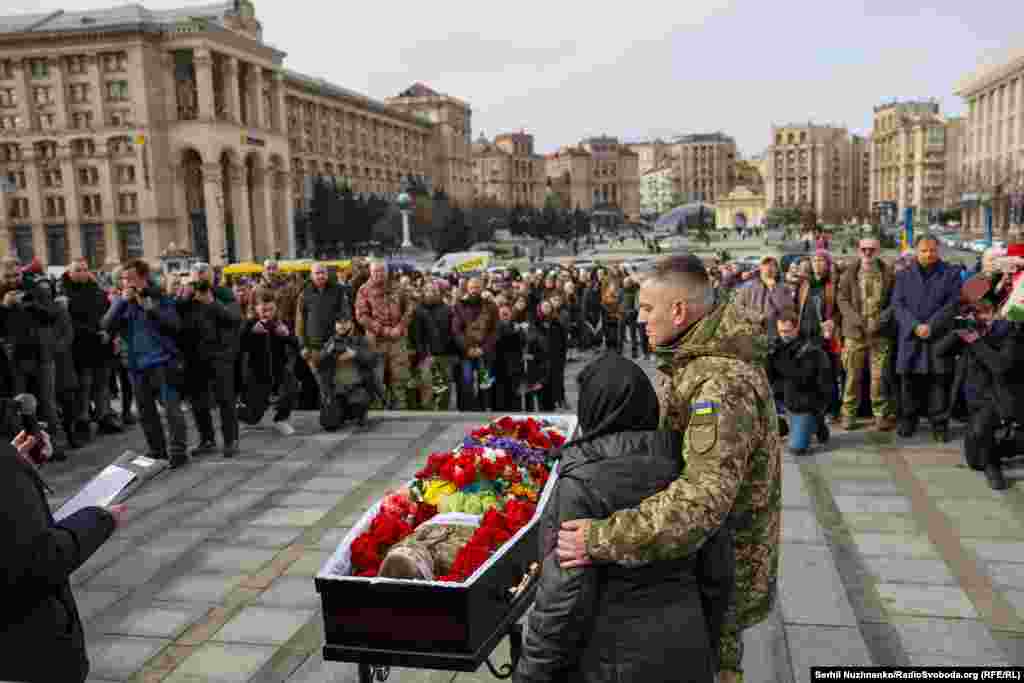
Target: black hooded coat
(612, 623)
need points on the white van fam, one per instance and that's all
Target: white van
(462, 261)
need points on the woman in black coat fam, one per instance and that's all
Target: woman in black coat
(654, 623)
(40, 631)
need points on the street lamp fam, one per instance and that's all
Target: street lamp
(404, 202)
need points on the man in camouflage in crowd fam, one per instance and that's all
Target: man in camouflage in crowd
(713, 389)
(384, 311)
(864, 297)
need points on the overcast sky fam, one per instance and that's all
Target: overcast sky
(565, 69)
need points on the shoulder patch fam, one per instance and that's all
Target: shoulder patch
(704, 408)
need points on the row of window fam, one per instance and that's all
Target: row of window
(39, 68)
(54, 206)
(93, 243)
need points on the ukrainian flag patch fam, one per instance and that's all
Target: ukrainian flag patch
(704, 408)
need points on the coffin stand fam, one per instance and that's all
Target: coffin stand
(379, 623)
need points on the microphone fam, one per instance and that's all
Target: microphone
(27, 406)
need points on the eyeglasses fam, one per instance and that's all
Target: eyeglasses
(868, 250)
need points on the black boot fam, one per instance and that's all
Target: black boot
(940, 432)
(74, 438)
(994, 475)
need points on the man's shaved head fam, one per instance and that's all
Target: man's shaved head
(685, 272)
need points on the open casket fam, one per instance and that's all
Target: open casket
(381, 622)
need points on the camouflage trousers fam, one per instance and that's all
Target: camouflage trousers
(434, 386)
(857, 354)
(730, 646)
(397, 375)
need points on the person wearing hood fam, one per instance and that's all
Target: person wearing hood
(435, 347)
(820, 319)
(714, 390)
(92, 349)
(41, 632)
(656, 622)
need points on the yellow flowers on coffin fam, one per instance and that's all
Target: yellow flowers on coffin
(437, 489)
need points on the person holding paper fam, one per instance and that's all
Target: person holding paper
(40, 631)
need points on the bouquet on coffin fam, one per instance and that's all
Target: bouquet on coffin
(1012, 266)
(463, 506)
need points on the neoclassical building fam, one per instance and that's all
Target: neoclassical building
(992, 145)
(597, 173)
(125, 131)
(508, 171)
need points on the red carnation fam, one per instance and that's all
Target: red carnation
(500, 537)
(447, 470)
(507, 425)
(473, 555)
(539, 475)
(519, 513)
(364, 551)
(389, 529)
(424, 511)
(494, 520)
(556, 438)
(371, 572)
(490, 470)
(465, 474)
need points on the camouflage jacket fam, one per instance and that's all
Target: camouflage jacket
(713, 388)
(379, 308)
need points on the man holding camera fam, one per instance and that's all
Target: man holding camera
(148, 324)
(210, 335)
(990, 355)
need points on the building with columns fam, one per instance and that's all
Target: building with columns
(508, 171)
(908, 153)
(992, 144)
(595, 174)
(818, 166)
(652, 154)
(125, 131)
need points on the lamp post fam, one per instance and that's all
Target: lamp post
(404, 202)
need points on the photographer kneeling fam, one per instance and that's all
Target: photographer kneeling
(41, 633)
(990, 351)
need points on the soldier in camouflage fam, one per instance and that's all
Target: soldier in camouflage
(384, 310)
(864, 297)
(713, 388)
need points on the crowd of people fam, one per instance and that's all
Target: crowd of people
(898, 342)
(340, 342)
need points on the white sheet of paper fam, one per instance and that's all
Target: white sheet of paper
(143, 461)
(99, 492)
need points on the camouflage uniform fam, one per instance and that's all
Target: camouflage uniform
(713, 388)
(380, 309)
(862, 343)
(435, 545)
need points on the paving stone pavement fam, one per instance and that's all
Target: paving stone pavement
(892, 554)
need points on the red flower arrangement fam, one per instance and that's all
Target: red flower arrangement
(496, 529)
(398, 517)
(529, 430)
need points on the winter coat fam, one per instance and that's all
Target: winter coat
(209, 332)
(30, 328)
(475, 324)
(537, 354)
(87, 303)
(41, 631)
(431, 330)
(508, 354)
(267, 359)
(991, 368)
(65, 376)
(149, 338)
(756, 299)
(829, 309)
(851, 304)
(800, 370)
(610, 622)
(318, 309)
(931, 299)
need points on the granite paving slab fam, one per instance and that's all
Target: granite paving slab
(894, 569)
(824, 646)
(290, 516)
(264, 625)
(873, 504)
(800, 526)
(258, 536)
(177, 540)
(118, 657)
(309, 564)
(212, 557)
(966, 640)
(222, 663)
(292, 592)
(917, 545)
(153, 620)
(130, 571)
(982, 518)
(810, 589)
(926, 601)
(948, 483)
(794, 491)
(226, 509)
(92, 602)
(205, 588)
(1005, 574)
(856, 487)
(330, 484)
(883, 522)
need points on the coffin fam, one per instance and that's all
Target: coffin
(430, 624)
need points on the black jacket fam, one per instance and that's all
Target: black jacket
(320, 309)
(537, 355)
(209, 332)
(267, 359)
(508, 354)
(801, 372)
(430, 332)
(40, 631)
(29, 327)
(652, 623)
(87, 304)
(990, 368)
